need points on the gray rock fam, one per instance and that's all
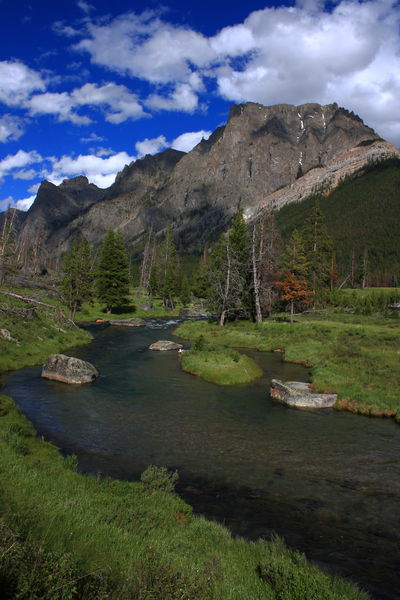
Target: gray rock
(300, 395)
(135, 322)
(163, 345)
(69, 369)
(194, 313)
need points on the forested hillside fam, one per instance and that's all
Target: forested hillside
(363, 217)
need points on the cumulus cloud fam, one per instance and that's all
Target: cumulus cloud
(18, 160)
(116, 101)
(17, 82)
(182, 99)
(151, 145)
(11, 128)
(25, 203)
(25, 174)
(186, 141)
(290, 54)
(100, 171)
(6, 202)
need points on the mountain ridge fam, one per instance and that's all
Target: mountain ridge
(262, 158)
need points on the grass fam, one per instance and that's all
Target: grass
(91, 312)
(66, 536)
(220, 365)
(354, 356)
(36, 336)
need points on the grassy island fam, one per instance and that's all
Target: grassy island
(220, 365)
(355, 356)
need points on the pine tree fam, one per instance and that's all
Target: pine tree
(185, 293)
(164, 278)
(318, 248)
(293, 259)
(77, 281)
(112, 279)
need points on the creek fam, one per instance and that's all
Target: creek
(327, 481)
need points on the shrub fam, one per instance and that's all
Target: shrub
(159, 479)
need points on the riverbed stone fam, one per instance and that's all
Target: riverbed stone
(163, 345)
(134, 322)
(300, 395)
(69, 369)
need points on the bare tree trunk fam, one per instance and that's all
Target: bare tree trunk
(256, 279)
(147, 262)
(291, 310)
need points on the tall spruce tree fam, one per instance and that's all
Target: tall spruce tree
(164, 278)
(318, 246)
(294, 268)
(77, 280)
(112, 279)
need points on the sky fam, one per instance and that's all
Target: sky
(87, 87)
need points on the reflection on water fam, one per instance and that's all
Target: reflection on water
(328, 481)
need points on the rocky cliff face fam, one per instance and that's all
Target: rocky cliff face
(263, 156)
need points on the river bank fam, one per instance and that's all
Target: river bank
(354, 356)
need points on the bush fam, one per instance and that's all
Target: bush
(159, 479)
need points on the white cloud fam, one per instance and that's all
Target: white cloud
(304, 54)
(18, 160)
(151, 146)
(182, 99)
(25, 203)
(34, 188)
(92, 137)
(25, 174)
(6, 202)
(85, 6)
(100, 171)
(116, 101)
(186, 141)
(17, 82)
(11, 128)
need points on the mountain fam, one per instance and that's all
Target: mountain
(263, 157)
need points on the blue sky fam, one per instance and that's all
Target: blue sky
(89, 86)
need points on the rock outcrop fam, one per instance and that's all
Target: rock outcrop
(194, 313)
(68, 369)
(264, 157)
(164, 345)
(300, 395)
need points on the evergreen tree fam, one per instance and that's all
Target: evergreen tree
(77, 281)
(293, 259)
(318, 248)
(185, 294)
(164, 278)
(113, 271)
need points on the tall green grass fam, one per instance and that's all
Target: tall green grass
(220, 365)
(68, 536)
(354, 356)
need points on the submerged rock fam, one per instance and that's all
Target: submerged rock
(299, 394)
(135, 322)
(163, 345)
(69, 369)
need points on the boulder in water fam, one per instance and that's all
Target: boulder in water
(300, 395)
(163, 345)
(134, 322)
(69, 369)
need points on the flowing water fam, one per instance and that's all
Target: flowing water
(327, 481)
